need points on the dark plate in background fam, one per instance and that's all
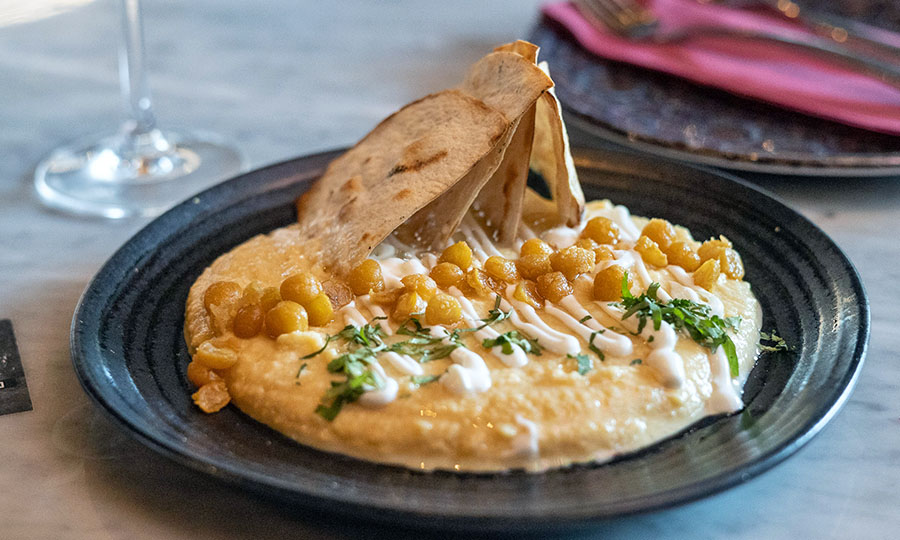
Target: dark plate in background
(665, 115)
(129, 353)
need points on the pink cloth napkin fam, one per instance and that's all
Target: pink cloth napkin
(757, 69)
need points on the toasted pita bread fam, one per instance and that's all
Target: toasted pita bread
(407, 161)
(506, 82)
(552, 157)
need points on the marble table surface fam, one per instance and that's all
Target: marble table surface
(284, 78)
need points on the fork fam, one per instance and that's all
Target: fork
(632, 21)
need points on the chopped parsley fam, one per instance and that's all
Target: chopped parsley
(775, 343)
(585, 319)
(583, 362)
(365, 342)
(302, 368)
(422, 380)
(594, 348)
(636, 361)
(685, 316)
(513, 337)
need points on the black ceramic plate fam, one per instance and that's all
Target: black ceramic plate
(129, 354)
(675, 118)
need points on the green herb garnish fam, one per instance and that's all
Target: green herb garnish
(594, 348)
(354, 366)
(686, 316)
(585, 318)
(302, 368)
(513, 337)
(776, 343)
(583, 361)
(422, 380)
(636, 361)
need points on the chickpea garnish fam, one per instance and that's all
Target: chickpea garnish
(447, 275)
(527, 291)
(554, 286)
(301, 288)
(660, 231)
(338, 292)
(650, 252)
(731, 263)
(681, 254)
(215, 357)
(199, 374)
(501, 269)
(386, 297)
(222, 293)
(535, 246)
(319, 310)
(533, 265)
(601, 230)
(286, 317)
(365, 277)
(212, 396)
(608, 283)
(269, 299)
(708, 274)
(248, 321)
(481, 283)
(712, 247)
(459, 254)
(420, 284)
(572, 261)
(408, 304)
(443, 309)
(603, 253)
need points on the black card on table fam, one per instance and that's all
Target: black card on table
(13, 390)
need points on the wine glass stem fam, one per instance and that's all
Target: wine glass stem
(132, 72)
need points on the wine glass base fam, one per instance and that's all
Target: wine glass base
(128, 174)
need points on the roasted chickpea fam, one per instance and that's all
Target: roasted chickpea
(252, 293)
(660, 231)
(481, 283)
(586, 243)
(535, 246)
(199, 374)
(286, 317)
(534, 265)
(447, 275)
(386, 297)
(420, 284)
(319, 310)
(681, 254)
(443, 309)
(338, 292)
(572, 261)
(407, 305)
(365, 277)
(269, 299)
(731, 264)
(712, 247)
(708, 274)
(459, 254)
(222, 293)
(212, 396)
(608, 283)
(601, 230)
(300, 288)
(501, 269)
(248, 321)
(554, 286)
(603, 253)
(650, 252)
(527, 291)
(215, 357)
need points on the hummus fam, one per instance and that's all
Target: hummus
(599, 388)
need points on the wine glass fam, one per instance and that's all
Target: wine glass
(141, 170)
